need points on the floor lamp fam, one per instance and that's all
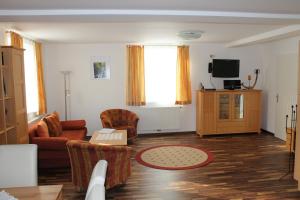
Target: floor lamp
(66, 91)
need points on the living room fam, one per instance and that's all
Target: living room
(71, 42)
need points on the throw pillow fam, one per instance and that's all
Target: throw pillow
(42, 129)
(54, 126)
(56, 114)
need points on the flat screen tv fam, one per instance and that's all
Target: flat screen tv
(225, 68)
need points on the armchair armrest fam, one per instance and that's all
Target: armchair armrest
(73, 124)
(117, 157)
(104, 148)
(53, 143)
(133, 120)
(106, 122)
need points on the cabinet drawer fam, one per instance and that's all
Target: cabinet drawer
(231, 127)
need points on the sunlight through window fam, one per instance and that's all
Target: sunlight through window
(30, 77)
(160, 75)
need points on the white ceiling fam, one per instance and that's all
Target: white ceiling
(265, 6)
(136, 32)
(141, 21)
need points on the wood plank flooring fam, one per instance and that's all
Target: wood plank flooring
(246, 166)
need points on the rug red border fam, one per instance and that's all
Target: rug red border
(210, 158)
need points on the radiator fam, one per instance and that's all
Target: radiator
(158, 119)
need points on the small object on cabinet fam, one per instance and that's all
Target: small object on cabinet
(201, 87)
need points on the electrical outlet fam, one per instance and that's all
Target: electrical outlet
(257, 71)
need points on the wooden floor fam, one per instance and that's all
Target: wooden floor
(246, 166)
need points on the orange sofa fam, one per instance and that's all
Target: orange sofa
(52, 150)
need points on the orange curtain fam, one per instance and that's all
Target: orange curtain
(40, 78)
(16, 40)
(135, 76)
(183, 81)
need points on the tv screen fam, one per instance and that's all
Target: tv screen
(225, 68)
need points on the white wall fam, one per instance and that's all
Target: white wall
(90, 97)
(2, 36)
(272, 54)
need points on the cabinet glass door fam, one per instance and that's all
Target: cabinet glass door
(238, 106)
(224, 102)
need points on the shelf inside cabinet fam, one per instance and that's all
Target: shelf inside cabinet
(8, 97)
(10, 127)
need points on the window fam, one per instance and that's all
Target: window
(31, 85)
(35, 94)
(160, 75)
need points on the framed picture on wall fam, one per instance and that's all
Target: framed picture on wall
(100, 68)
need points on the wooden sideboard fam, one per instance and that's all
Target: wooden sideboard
(228, 111)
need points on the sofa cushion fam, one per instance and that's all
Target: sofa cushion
(50, 143)
(74, 134)
(73, 124)
(42, 129)
(54, 126)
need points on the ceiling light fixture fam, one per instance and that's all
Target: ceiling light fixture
(190, 35)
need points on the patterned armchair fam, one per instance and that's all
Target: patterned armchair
(84, 156)
(120, 119)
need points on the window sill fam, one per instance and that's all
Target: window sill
(158, 106)
(35, 119)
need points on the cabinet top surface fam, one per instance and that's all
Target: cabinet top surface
(11, 47)
(230, 91)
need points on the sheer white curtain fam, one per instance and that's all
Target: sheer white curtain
(30, 67)
(160, 75)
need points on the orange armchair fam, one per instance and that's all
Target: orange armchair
(84, 156)
(120, 119)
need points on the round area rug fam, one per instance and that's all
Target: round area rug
(174, 157)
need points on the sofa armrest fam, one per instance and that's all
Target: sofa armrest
(73, 124)
(50, 143)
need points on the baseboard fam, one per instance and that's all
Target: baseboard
(194, 132)
(268, 132)
(164, 133)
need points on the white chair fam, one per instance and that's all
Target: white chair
(18, 165)
(96, 189)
